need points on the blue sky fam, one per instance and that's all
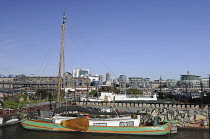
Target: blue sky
(137, 38)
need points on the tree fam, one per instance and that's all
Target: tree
(13, 105)
(133, 91)
(115, 90)
(21, 95)
(41, 94)
(93, 93)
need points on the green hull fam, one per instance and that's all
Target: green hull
(142, 130)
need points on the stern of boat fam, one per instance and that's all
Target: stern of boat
(173, 126)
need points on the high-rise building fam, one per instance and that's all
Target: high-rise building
(147, 83)
(205, 82)
(79, 72)
(136, 82)
(108, 77)
(171, 83)
(93, 77)
(190, 81)
(101, 79)
(122, 81)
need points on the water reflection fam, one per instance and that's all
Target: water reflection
(17, 132)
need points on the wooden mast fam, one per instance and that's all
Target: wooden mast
(60, 70)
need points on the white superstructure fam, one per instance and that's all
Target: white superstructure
(109, 96)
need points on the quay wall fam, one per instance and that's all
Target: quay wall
(185, 115)
(137, 104)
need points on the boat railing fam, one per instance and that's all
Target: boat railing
(6, 110)
(137, 96)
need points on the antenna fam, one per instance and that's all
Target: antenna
(64, 16)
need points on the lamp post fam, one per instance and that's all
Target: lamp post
(186, 93)
(76, 83)
(209, 81)
(186, 100)
(87, 83)
(160, 82)
(201, 94)
(209, 117)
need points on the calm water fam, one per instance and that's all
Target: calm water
(17, 132)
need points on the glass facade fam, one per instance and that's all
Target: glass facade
(190, 81)
(83, 73)
(122, 81)
(136, 82)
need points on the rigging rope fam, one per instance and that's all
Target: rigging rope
(77, 46)
(90, 48)
(47, 58)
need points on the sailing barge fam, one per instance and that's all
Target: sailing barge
(118, 125)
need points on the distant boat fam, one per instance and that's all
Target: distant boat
(8, 116)
(71, 123)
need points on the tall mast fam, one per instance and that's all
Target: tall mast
(60, 70)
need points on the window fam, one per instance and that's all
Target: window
(100, 124)
(130, 123)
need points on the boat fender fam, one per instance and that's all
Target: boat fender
(155, 122)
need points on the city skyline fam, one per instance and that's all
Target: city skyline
(135, 38)
(107, 75)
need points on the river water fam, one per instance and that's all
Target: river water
(17, 132)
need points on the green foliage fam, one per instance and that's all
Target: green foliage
(41, 94)
(133, 91)
(115, 90)
(106, 89)
(62, 96)
(20, 95)
(13, 105)
(21, 104)
(93, 93)
(127, 85)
